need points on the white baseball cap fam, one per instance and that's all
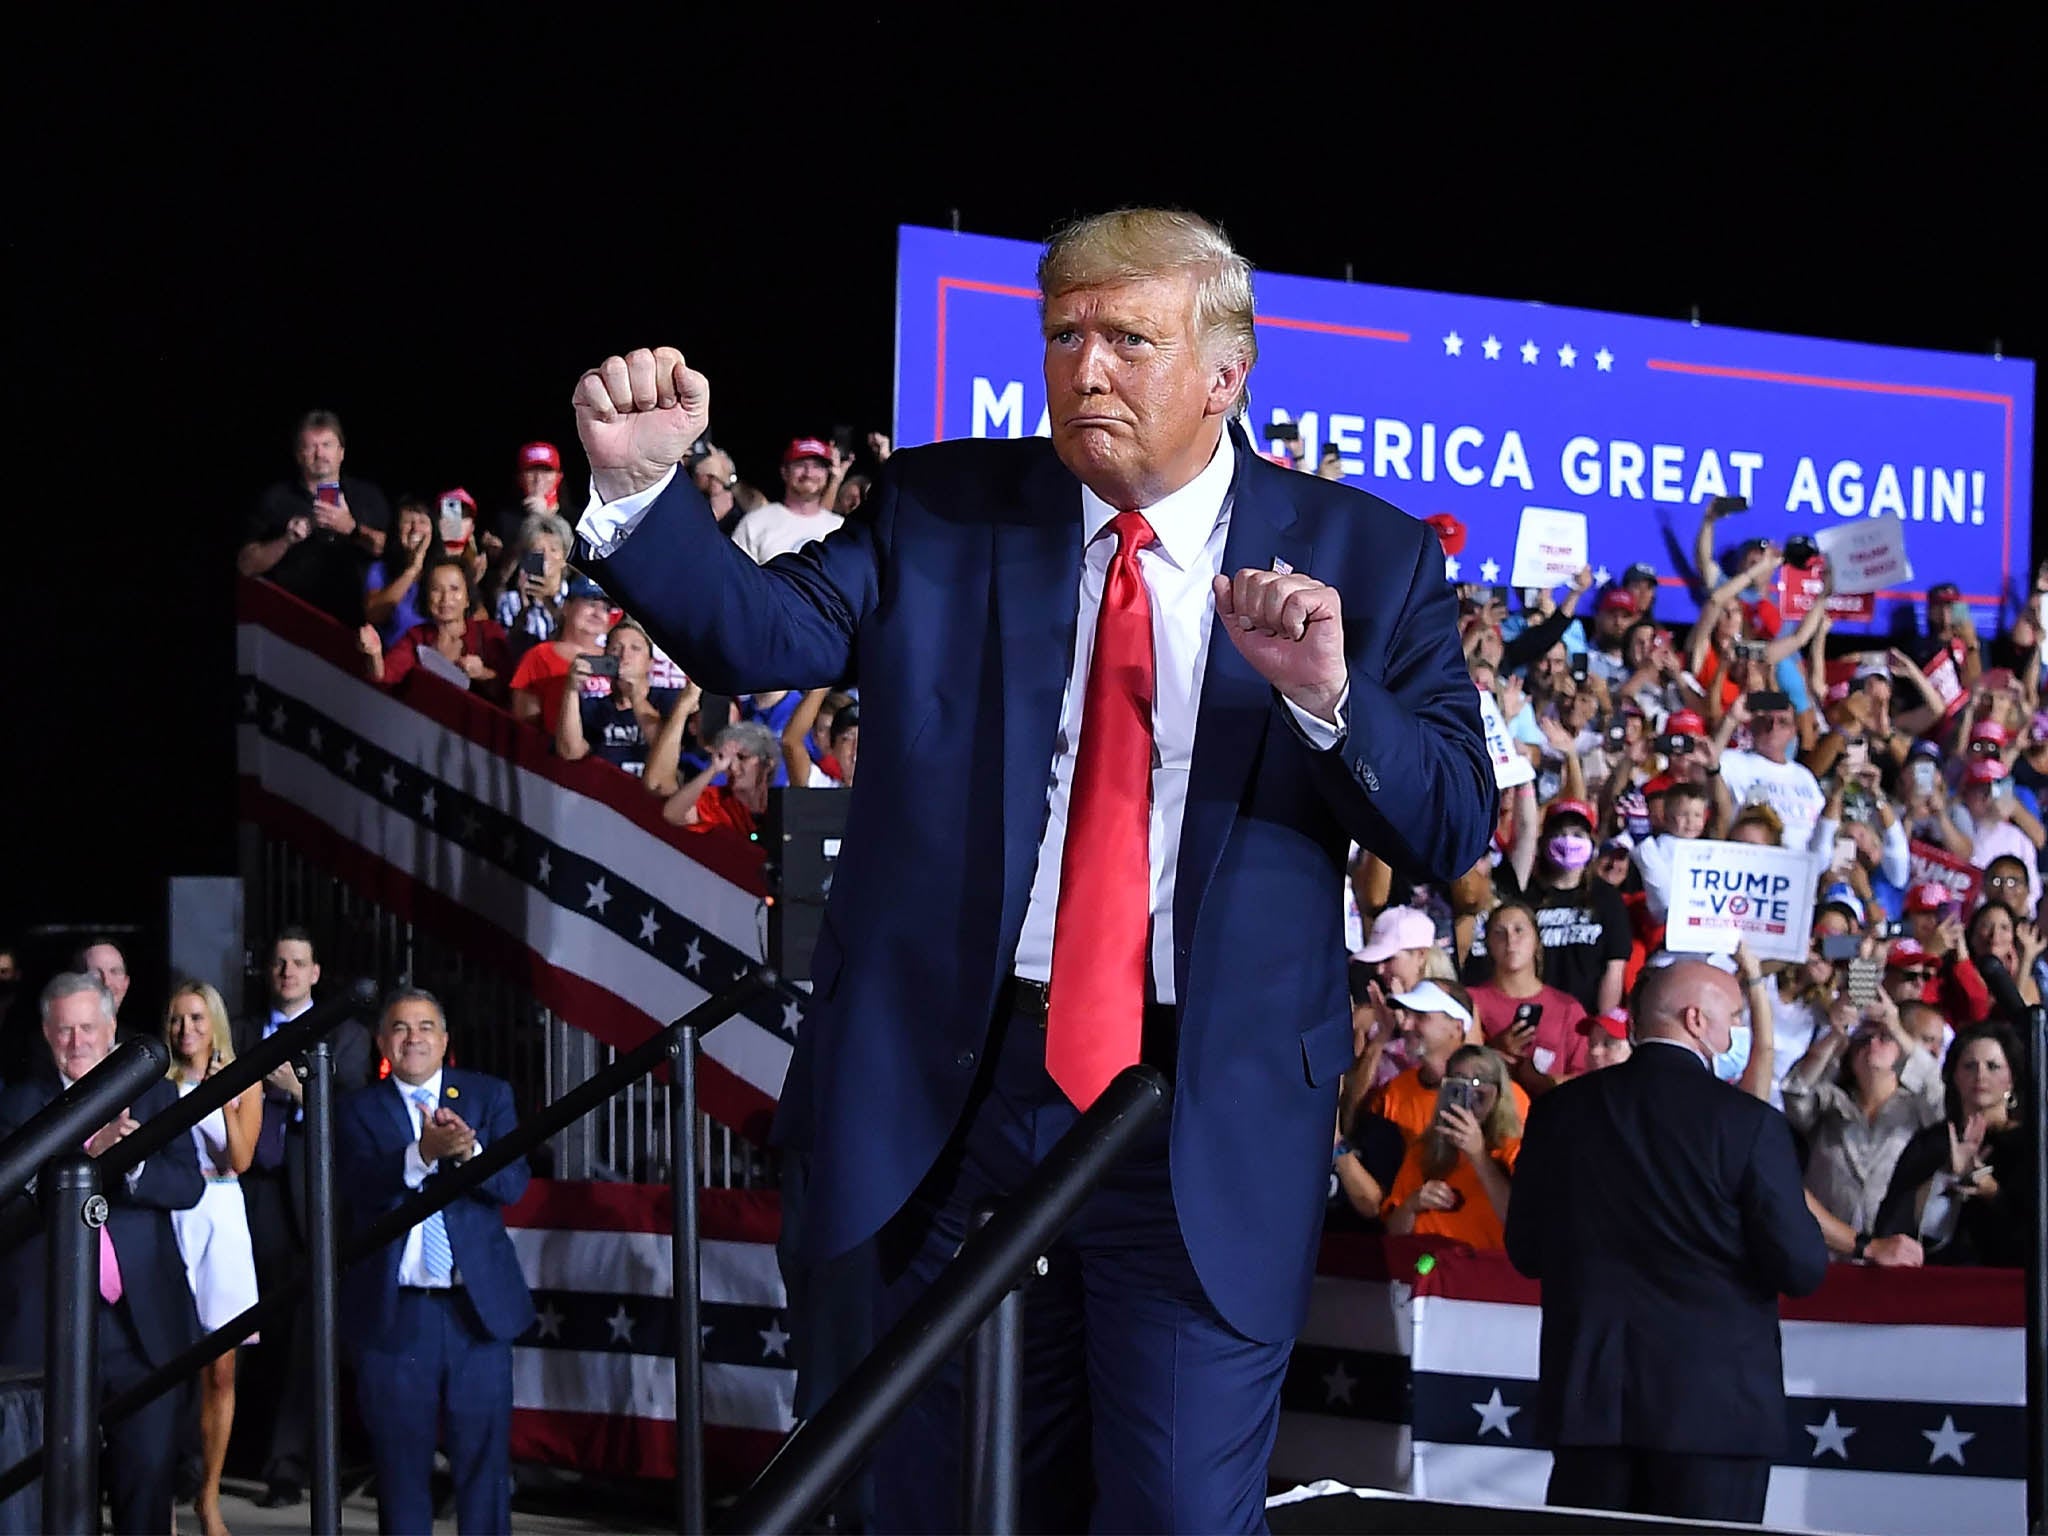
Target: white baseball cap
(1428, 997)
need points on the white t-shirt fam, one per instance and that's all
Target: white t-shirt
(1790, 790)
(772, 529)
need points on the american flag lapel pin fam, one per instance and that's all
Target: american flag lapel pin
(1281, 567)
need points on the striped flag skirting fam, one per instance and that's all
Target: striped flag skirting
(593, 1381)
(440, 807)
(1905, 1390)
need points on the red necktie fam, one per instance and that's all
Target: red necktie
(1096, 1004)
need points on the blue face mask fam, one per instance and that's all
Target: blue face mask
(1729, 1064)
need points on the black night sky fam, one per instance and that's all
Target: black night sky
(432, 222)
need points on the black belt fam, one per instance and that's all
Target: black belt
(1028, 999)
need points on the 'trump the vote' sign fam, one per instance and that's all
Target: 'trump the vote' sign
(1483, 407)
(1723, 894)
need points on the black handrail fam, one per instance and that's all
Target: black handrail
(439, 1192)
(828, 1449)
(69, 1120)
(262, 1058)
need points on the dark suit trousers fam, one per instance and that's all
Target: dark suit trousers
(138, 1465)
(279, 1391)
(1143, 1409)
(438, 1379)
(1677, 1484)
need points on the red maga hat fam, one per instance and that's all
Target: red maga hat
(1449, 531)
(1931, 896)
(540, 456)
(1614, 1022)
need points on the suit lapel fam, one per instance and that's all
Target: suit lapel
(1236, 704)
(399, 1102)
(1036, 589)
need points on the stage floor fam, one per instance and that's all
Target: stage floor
(359, 1517)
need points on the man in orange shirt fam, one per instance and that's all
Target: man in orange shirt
(1434, 1019)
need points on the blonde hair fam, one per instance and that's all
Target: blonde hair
(216, 1017)
(1129, 243)
(1759, 815)
(1503, 1122)
(1438, 966)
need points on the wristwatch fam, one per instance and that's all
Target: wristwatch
(1862, 1242)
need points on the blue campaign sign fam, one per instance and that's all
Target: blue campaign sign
(1483, 407)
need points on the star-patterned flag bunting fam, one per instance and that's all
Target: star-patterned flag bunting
(398, 802)
(594, 1376)
(1429, 1363)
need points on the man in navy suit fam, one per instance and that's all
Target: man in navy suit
(1088, 831)
(431, 1318)
(146, 1313)
(1664, 1213)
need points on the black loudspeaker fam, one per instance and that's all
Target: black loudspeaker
(802, 834)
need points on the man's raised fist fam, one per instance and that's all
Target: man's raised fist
(638, 416)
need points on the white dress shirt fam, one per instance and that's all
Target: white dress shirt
(412, 1263)
(1190, 528)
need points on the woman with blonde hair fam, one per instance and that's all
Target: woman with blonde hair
(1454, 1181)
(213, 1236)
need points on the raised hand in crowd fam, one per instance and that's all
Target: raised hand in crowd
(1511, 695)
(1462, 1130)
(878, 445)
(370, 645)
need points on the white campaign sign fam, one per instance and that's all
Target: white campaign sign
(1723, 894)
(1550, 548)
(1509, 766)
(1867, 556)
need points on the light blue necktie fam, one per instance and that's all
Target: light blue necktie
(434, 1250)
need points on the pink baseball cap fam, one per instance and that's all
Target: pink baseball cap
(1396, 929)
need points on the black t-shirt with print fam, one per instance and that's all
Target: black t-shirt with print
(614, 734)
(1583, 930)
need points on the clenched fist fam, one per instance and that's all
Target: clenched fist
(638, 416)
(1290, 627)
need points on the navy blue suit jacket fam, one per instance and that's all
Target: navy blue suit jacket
(953, 606)
(1663, 1212)
(372, 1131)
(153, 1282)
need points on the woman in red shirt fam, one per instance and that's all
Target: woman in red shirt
(475, 645)
(543, 675)
(1546, 1047)
(746, 754)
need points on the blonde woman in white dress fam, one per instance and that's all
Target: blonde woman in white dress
(213, 1236)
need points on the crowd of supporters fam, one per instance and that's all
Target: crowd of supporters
(488, 599)
(1905, 769)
